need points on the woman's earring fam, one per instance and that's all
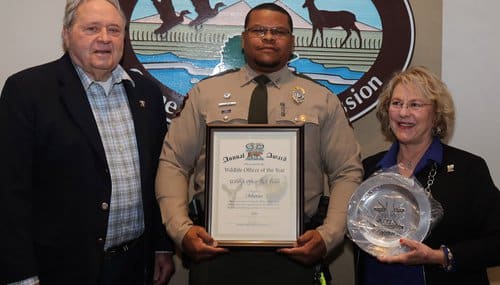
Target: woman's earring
(436, 131)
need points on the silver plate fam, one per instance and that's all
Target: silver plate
(385, 208)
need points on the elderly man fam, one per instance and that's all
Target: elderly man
(330, 149)
(80, 144)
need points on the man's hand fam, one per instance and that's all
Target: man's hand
(164, 268)
(199, 245)
(309, 248)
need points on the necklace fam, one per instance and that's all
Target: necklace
(411, 163)
(408, 164)
(430, 178)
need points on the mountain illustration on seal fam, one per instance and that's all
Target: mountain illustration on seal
(335, 52)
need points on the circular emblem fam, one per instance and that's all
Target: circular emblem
(385, 208)
(179, 42)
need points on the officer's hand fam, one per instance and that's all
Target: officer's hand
(308, 249)
(199, 245)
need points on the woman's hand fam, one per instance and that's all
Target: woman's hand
(418, 253)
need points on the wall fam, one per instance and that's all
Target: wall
(461, 46)
(470, 68)
(31, 34)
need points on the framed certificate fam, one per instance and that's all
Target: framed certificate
(254, 184)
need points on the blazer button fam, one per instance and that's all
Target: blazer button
(104, 206)
(100, 240)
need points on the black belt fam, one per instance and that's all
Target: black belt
(122, 248)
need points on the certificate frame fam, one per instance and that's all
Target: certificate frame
(254, 184)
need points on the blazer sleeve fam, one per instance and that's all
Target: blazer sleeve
(17, 146)
(482, 248)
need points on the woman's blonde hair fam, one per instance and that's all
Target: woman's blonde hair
(432, 88)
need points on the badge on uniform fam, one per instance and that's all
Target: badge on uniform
(298, 94)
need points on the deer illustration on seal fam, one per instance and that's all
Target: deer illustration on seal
(329, 19)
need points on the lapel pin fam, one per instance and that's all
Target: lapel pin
(298, 94)
(142, 103)
(451, 167)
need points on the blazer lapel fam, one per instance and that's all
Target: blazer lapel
(74, 97)
(138, 107)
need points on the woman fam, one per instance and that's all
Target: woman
(416, 113)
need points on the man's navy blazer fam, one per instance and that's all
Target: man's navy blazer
(54, 176)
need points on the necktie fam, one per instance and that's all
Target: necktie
(257, 112)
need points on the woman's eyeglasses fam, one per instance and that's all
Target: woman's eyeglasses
(396, 105)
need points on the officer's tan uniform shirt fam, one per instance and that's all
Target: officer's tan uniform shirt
(330, 146)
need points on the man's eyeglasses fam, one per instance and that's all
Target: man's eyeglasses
(396, 105)
(260, 32)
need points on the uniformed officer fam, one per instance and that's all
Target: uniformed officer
(330, 149)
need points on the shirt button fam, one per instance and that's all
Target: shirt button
(100, 240)
(104, 206)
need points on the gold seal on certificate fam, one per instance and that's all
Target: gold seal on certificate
(385, 208)
(254, 183)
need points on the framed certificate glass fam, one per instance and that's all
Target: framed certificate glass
(254, 184)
